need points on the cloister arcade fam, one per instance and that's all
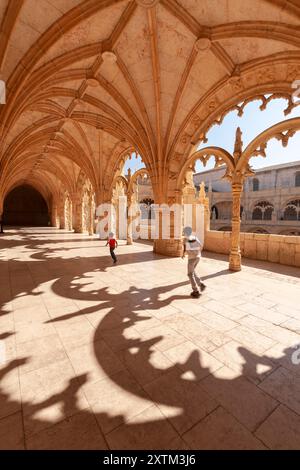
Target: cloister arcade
(79, 100)
(104, 349)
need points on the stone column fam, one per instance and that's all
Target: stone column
(172, 245)
(235, 252)
(204, 200)
(131, 206)
(54, 216)
(129, 220)
(1, 215)
(122, 216)
(77, 210)
(91, 216)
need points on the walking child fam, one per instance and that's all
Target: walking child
(113, 244)
(192, 247)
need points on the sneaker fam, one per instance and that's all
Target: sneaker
(195, 294)
(202, 286)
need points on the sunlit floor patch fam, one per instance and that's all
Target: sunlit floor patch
(123, 356)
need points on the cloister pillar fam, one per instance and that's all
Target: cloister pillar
(169, 214)
(132, 214)
(129, 220)
(204, 201)
(1, 215)
(91, 215)
(122, 215)
(235, 252)
(77, 213)
(55, 216)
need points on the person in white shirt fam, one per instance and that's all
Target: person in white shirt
(192, 247)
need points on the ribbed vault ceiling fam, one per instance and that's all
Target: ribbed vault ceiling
(88, 81)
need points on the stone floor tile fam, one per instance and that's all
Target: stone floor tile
(11, 432)
(76, 333)
(97, 360)
(116, 399)
(230, 312)
(41, 352)
(149, 430)
(216, 321)
(51, 394)
(251, 339)
(276, 333)
(281, 430)
(168, 338)
(144, 362)
(248, 364)
(284, 386)
(181, 400)
(221, 431)
(80, 431)
(124, 351)
(240, 397)
(193, 361)
(264, 313)
(286, 357)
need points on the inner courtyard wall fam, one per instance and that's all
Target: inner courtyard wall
(265, 247)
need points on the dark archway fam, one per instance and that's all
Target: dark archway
(25, 206)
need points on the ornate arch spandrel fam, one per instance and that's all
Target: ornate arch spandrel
(265, 99)
(142, 172)
(271, 75)
(222, 157)
(282, 131)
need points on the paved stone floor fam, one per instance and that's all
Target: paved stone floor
(96, 356)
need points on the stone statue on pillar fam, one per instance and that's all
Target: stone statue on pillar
(238, 145)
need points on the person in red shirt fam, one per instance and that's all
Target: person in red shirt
(113, 244)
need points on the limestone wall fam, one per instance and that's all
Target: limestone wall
(275, 248)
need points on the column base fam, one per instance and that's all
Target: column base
(235, 262)
(169, 247)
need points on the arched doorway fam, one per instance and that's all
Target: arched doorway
(25, 206)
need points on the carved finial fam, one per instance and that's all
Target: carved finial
(189, 178)
(128, 174)
(202, 194)
(238, 146)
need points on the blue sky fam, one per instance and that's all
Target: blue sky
(252, 123)
(134, 164)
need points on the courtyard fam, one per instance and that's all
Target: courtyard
(102, 356)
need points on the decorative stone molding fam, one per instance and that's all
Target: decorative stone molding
(236, 82)
(93, 82)
(266, 73)
(147, 3)
(261, 151)
(203, 44)
(240, 109)
(284, 137)
(293, 72)
(109, 57)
